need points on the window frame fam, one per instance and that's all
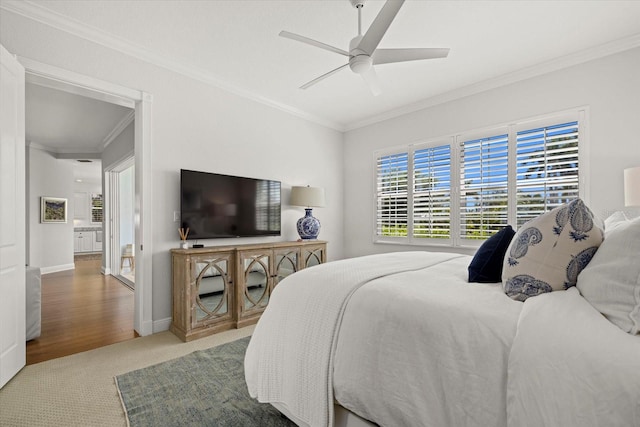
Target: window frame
(93, 208)
(581, 115)
(399, 152)
(486, 133)
(410, 150)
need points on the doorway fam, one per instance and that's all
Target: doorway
(120, 190)
(141, 102)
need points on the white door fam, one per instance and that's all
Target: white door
(12, 218)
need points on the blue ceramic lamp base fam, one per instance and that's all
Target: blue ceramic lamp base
(308, 226)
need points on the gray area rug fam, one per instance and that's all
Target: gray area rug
(204, 388)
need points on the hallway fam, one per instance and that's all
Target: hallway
(81, 310)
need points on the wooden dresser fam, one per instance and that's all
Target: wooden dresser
(223, 287)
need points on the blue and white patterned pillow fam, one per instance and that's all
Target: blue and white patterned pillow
(548, 252)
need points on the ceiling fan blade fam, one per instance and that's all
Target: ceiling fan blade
(370, 77)
(379, 26)
(312, 42)
(322, 77)
(386, 56)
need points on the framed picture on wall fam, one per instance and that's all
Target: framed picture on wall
(53, 209)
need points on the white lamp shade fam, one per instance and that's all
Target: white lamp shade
(307, 196)
(632, 186)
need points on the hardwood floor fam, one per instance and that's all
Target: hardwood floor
(81, 310)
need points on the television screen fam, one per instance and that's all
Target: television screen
(216, 206)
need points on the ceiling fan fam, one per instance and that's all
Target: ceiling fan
(363, 51)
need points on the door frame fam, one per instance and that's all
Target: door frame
(112, 217)
(141, 102)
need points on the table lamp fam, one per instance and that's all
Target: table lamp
(308, 226)
(632, 186)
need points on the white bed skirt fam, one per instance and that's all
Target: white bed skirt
(343, 417)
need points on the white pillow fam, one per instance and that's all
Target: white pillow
(611, 282)
(548, 252)
(615, 220)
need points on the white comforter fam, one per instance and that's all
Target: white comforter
(419, 346)
(570, 367)
(426, 348)
(289, 360)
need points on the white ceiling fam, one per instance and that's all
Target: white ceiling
(87, 173)
(66, 123)
(235, 44)
(73, 126)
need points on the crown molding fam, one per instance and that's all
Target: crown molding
(117, 130)
(506, 79)
(40, 147)
(35, 75)
(66, 153)
(53, 19)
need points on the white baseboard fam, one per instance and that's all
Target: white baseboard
(105, 271)
(56, 268)
(161, 325)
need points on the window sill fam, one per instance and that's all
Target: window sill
(440, 246)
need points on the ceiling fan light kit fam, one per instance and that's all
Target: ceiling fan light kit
(363, 49)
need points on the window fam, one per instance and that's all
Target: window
(432, 192)
(96, 208)
(546, 169)
(392, 186)
(430, 181)
(483, 186)
(466, 188)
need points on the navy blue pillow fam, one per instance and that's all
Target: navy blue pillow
(486, 265)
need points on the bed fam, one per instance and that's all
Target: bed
(403, 339)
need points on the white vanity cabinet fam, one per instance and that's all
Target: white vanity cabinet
(97, 245)
(83, 241)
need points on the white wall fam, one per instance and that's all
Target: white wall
(87, 188)
(609, 87)
(200, 127)
(50, 244)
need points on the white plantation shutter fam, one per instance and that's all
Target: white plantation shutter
(483, 186)
(392, 194)
(461, 193)
(546, 169)
(432, 192)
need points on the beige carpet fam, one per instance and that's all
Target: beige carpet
(79, 390)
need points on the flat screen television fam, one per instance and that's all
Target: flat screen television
(217, 206)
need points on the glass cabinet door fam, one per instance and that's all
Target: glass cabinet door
(211, 288)
(285, 263)
(255, 270)
(313, 256)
